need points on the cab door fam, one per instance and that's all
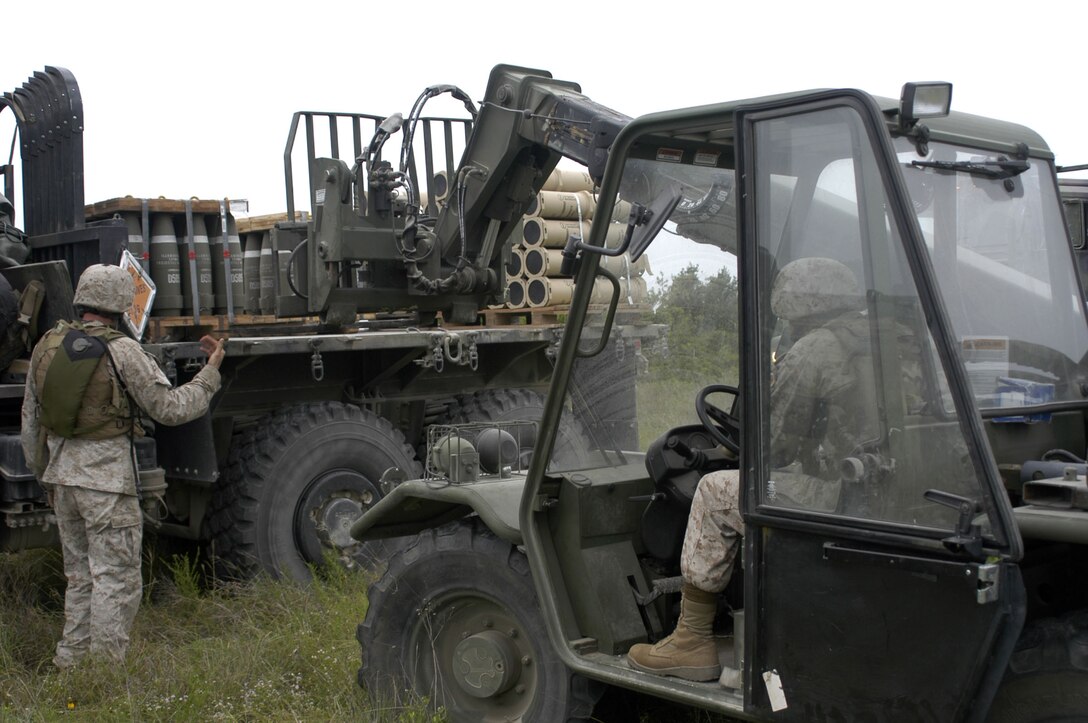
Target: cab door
(880, 556)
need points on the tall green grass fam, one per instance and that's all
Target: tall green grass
(207, 651)
(662, 405)
(259, 651)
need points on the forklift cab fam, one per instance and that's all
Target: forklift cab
(880, 552)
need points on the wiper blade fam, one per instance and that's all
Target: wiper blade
(990, 168)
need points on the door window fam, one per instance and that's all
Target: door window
(860, 422)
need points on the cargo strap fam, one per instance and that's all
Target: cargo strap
(131, 437)
(30, 306)
(19, 337)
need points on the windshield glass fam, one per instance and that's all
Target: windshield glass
(1003, 262)
(676, 328)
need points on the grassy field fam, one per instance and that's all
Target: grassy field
(663, 404)
(259, 651)
(667, 403)
(262, 651)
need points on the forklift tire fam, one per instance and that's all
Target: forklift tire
(514, 405)
(455, 620)
(296, 482)
(1047, 679)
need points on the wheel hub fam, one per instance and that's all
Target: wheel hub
(331, 504)
(337, 516)
(486, 664)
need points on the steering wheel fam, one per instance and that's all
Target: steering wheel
(720, 424)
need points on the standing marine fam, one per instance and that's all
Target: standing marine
(86, 385)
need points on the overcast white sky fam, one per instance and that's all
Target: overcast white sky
(195, 98)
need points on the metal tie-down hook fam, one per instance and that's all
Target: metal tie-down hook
(317, 364)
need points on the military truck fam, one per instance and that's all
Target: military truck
(936, 573)
(375, 336)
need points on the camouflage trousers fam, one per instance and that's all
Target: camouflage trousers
(100, 534)
(714, 532)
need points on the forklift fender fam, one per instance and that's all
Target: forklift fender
(418, 505)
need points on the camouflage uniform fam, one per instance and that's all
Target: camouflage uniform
(819, 413)
(822, 408)
(715, 527)
(98, 514)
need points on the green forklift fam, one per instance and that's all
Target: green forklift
(934, 571)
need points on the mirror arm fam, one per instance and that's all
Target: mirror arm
(569, 265)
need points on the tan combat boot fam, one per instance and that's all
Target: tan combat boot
(690, 652)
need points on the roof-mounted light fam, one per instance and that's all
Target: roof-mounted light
(924, 100)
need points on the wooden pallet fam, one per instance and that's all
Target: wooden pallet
(253, 224)
(128, 204)
(557, 315)
(542, 316)
(175, 327)
(161, 327)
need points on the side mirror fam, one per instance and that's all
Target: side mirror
(643, 225)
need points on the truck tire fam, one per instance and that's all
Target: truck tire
(294, 484)
(1047, 679)
(513, 405)
(459, 594)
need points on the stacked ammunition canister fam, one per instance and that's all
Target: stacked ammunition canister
(565, 207)
(199, 244)
(215, 257)
(194, 263)
(266, 253)
(226, 251)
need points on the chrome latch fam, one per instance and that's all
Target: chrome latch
(989, 577)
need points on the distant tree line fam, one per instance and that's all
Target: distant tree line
(702, 316)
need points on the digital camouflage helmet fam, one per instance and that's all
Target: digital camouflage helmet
(105, 288)
(814, 287)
